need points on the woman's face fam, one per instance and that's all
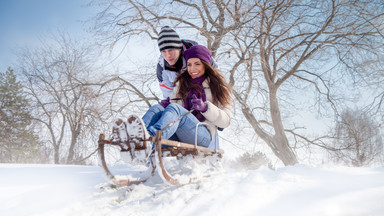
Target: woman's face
(195, 68)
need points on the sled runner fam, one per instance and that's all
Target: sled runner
(142, 160)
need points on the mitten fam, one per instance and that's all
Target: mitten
(198, 104)
(164, 103)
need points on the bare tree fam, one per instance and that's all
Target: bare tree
(131, 91)
(374, 78)
(271, 50)
(68, 109)
(358, 138)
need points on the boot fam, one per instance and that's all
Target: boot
(119, 131)
(138, 133)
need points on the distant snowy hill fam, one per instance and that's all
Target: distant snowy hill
(298, 190)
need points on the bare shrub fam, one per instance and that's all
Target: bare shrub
(358, 141)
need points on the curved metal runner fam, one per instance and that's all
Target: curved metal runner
(101, 151)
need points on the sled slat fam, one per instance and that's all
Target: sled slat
(188, 146)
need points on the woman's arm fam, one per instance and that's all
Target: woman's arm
(221, 117)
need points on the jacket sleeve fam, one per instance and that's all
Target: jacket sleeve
(220, 116)
(159, 73)
(175, 94)
(165, 84)
(166, 89)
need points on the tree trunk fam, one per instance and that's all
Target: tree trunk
(282, 149)
(278, 141)
(57, 155)
(71, 151)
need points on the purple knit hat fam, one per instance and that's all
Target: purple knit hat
(198, 51)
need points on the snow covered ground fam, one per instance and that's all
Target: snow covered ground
(298, 190)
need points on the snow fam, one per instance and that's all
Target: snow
(296, 190)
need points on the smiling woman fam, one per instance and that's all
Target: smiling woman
(23, 21)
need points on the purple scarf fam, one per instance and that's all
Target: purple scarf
(187, 103)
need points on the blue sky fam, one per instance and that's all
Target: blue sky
(23, 21)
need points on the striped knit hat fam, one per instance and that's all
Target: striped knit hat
(169, 39)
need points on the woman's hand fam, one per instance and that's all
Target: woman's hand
(198, 104)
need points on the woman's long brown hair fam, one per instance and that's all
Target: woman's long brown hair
(221, 90)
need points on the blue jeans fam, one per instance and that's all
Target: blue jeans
(156, 118)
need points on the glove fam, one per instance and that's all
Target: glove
(198, 104)
(164, 103)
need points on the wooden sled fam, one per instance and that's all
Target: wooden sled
(155, 160)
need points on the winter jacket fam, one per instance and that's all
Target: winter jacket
(167, 77)
(216, 114)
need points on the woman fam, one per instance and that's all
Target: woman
(202, 89)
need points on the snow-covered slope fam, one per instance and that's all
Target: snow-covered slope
(297, 190)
